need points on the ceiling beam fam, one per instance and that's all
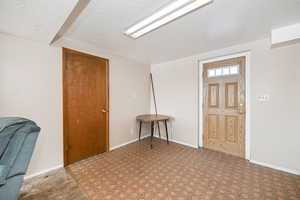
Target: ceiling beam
(79, 7)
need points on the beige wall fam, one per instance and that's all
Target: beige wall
(31, 86)
(274, 125)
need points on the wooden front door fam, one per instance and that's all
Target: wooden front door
(224, 106)
(85, 102)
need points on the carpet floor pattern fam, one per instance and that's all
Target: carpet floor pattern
(166, 172)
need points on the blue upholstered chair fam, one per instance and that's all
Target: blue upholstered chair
(17, 140)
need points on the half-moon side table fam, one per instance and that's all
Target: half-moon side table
(153, 118)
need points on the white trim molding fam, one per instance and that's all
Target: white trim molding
(183, 143)
(126, 143)
(156, 136)
(276, 167)
(247, 54)
(43, 172)
(61, 166)
(178, 142)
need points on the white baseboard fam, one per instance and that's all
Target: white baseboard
(276, 167)
(183, 143)
(178, 142)
(126, 143)
(61, 166)
(163, 138)
(43, 172)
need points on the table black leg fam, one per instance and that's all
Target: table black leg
(140, 131)
(166, 125)
(158, 129)
(152, 132)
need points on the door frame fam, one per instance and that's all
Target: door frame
(65, 131)
(201, 63)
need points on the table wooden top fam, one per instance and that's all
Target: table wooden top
(152, 118)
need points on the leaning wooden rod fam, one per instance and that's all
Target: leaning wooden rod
(154, 99)
(153, 93)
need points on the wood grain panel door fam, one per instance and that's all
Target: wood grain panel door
(224, 106)
(85, 102)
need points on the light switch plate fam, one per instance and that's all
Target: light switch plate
(264, 98)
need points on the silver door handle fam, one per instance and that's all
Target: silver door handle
(104, 111)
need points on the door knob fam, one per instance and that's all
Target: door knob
(104, 111)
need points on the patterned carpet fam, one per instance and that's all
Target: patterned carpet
(176, 172)
(53, 186)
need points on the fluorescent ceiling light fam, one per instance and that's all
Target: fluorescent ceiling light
(166, 10)
(165, 15)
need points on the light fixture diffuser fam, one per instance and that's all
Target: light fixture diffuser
(164, 16)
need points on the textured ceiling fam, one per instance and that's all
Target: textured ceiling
(218, 25)
(34, 19)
